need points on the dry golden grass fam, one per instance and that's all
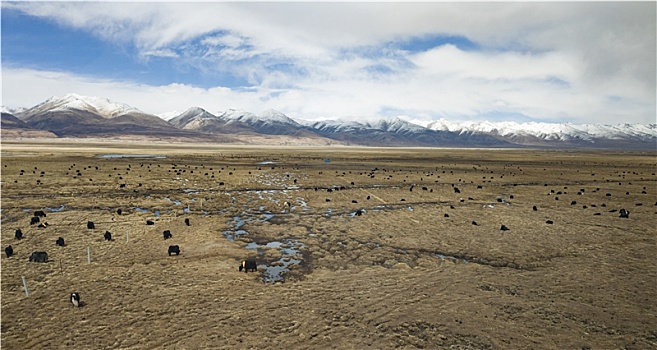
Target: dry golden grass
(403, 274)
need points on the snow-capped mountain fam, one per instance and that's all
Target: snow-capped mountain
(275, 116)
(552, 131)
(192, 115)
(80, 116)
(393, 124)
(394, 130)
(97, 105)
(237, 121)
(75, 115)
(386, 124)
(269, 122)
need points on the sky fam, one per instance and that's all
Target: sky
(577, 62)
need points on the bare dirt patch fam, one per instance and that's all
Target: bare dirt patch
(378, 248)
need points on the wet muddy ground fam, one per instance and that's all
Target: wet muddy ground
(356, 248)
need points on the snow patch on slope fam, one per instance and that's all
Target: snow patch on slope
(549, 131)
(101, 106)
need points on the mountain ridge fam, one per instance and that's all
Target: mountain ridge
(79, 116)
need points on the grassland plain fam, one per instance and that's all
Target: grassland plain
(424, 265)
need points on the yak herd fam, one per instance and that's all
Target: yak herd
(39, 216)
(43, 256)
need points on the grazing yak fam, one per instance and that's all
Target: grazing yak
(43, 225)
(9, 251)
(504, 228)
(19, 234)
(174, 249)
(247, 265)
(39, 257)
(624, 213)
(90, 225)
(149, 222)
(75, 299)
(187, 221)
(60, 242)
(167, 234)
(108, 236)
(40, 213)
(34, 220)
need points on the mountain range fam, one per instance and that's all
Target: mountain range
(82, 116)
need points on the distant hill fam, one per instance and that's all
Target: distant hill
(11, 121)
(11, 126)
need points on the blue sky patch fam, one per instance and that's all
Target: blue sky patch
(428, 42)
(37, 43)
(41, 44)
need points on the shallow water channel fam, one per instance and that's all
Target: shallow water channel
(289, 248)
(290, 251)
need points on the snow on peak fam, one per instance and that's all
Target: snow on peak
(267, 117)
(393, 124)
(198, 113)
(169, 115)
(547, 131)
(13, 111)
(98, 105)
(274, 115)
(237, 114)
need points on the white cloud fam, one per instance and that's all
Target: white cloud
(584, 62)
(151, 99)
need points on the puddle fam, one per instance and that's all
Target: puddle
(130, 156)
(174, 201)
(301, 203)
(276, 271)
(141, 210)
(238, 222)
(231, 235)
(57, 209)
(358, 212)
(289, 248)
(453, 258)
(11, 154)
